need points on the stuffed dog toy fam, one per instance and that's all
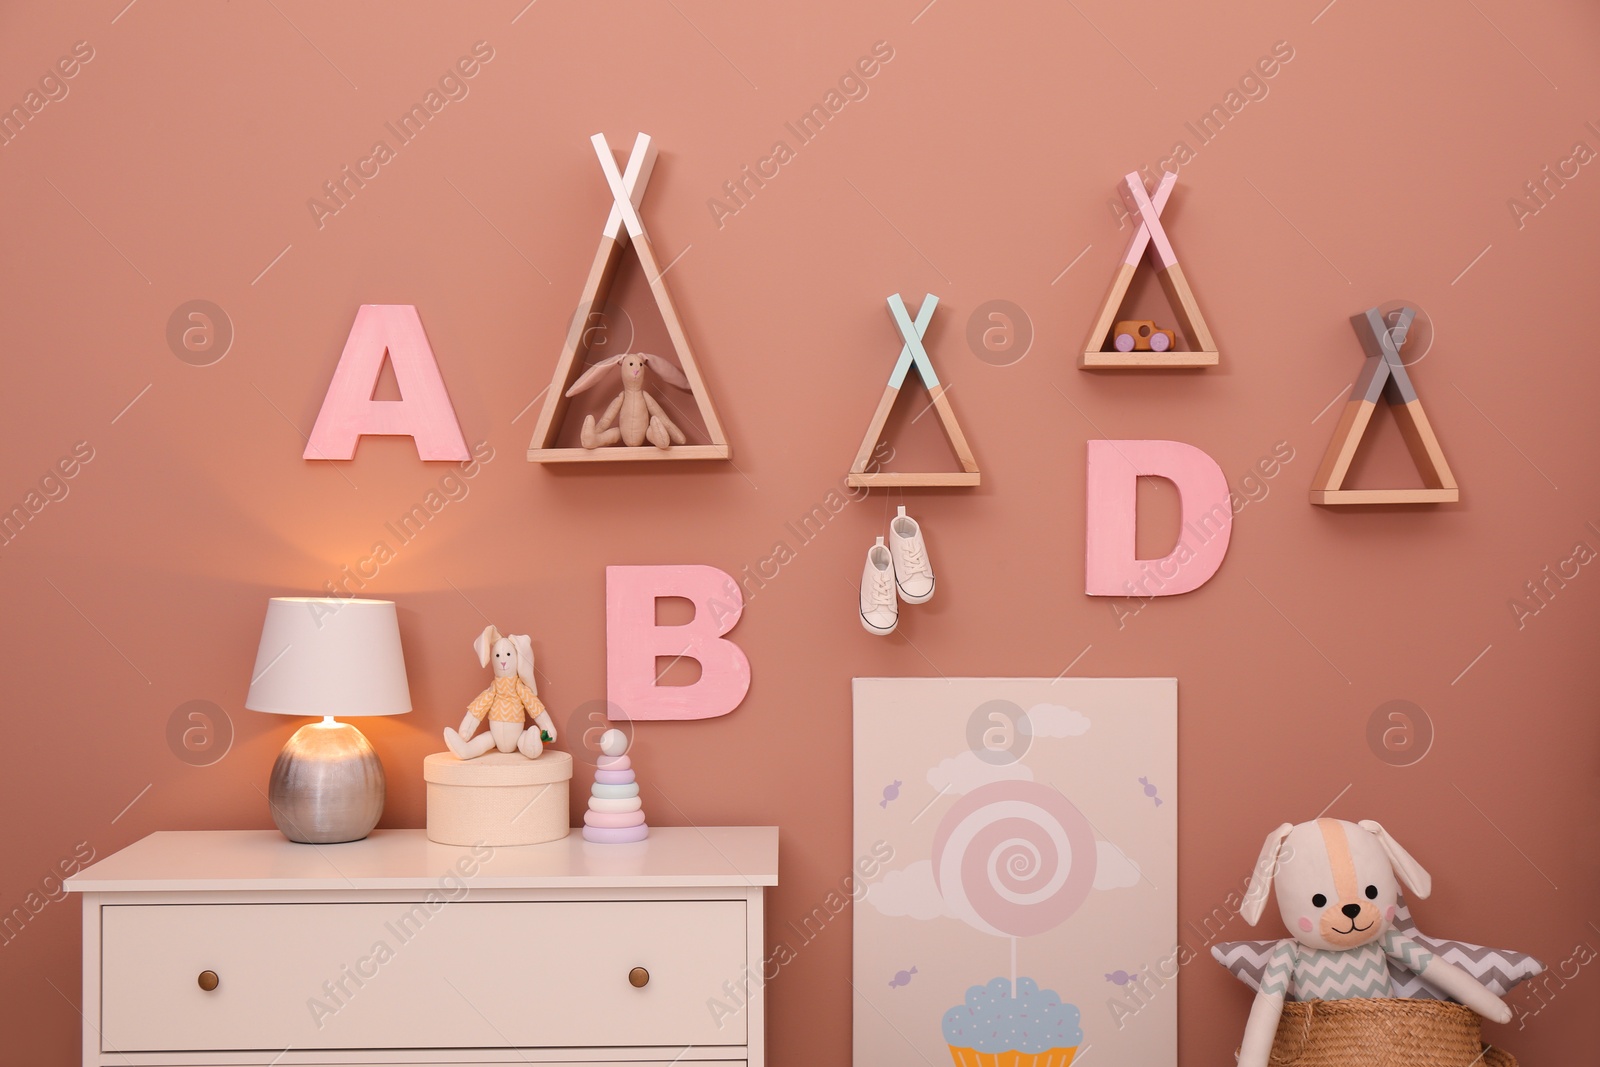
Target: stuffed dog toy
(511, 696)
(1337, 883)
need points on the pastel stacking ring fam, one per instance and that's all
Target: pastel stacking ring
(619, 836)
(612, 805)
(614, 777)
(613, 820)
(614, 763)
(614, 792)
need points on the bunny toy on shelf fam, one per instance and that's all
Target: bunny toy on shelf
(1337, 886)
(637, 414)
(511, 696)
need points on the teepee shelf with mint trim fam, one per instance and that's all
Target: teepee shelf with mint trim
(1149, 234)
(622, 227)
(913, 354)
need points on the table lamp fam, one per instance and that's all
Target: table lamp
(328, 656)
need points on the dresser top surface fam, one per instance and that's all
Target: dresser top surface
(244, 860)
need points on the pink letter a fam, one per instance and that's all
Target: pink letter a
(424, 413)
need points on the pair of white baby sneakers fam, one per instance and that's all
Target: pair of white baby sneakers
(895, 571)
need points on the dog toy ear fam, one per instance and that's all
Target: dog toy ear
(666, 370)
(589, 377)
(524, 645)
(484, 645)
(1417, 881)
(1255, 897)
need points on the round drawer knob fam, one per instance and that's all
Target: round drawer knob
(638, 977)
(208, 980)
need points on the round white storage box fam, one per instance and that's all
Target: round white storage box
(500, 798)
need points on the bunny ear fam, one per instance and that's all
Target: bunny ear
(666, 370)
(524, 645)
(1255, 897)
(484, 645)
(593, 374)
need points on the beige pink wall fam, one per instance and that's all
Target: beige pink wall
(1378, 165)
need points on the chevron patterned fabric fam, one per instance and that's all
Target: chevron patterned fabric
(1500, 970)
(1300, 973)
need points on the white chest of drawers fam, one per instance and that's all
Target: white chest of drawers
(240, 947)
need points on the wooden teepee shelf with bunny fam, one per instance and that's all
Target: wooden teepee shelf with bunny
(635, 426)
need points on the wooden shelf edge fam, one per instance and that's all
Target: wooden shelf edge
(1093, 359)
(1343, 497)
(958, 479)
(624, 454)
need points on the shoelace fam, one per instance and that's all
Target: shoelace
(882, 587)
(914, 561)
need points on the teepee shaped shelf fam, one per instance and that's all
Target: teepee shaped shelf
(622, 226)
(912, 354)
(1384, 376)
(1100, 349)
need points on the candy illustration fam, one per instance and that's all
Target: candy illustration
(1119, 977)
(890, 792)
(1014, 859)
(1150, 791)
(901, 978)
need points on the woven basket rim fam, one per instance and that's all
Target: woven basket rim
(1380, 1005)
(1418, 1015)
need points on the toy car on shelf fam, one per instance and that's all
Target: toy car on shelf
(1141, 335)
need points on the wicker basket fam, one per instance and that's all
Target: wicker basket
(1384, 1032)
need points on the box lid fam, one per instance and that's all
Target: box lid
(498, 768)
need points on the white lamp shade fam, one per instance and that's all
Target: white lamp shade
(329, 656)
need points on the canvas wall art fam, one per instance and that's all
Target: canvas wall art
(1028, 914)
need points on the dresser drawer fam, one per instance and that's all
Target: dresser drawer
(403, 975)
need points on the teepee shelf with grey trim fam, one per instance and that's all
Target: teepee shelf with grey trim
(1384, 377)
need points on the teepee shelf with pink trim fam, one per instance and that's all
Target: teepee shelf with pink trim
(1097, 351)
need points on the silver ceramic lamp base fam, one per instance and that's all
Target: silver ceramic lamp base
(327, 785)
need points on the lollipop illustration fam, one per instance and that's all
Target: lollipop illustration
(1013, 859)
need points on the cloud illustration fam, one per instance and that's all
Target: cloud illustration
(1112, 868)
(910, 891)
(1055, 720)
(965, 772)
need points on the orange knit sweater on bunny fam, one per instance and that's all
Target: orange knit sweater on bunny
(506, 701)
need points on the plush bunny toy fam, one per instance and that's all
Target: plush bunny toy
(1337, 886)
(637, 414)
(512, 695)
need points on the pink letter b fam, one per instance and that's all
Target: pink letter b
(634, 641)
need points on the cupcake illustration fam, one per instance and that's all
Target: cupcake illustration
(992, 1028)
